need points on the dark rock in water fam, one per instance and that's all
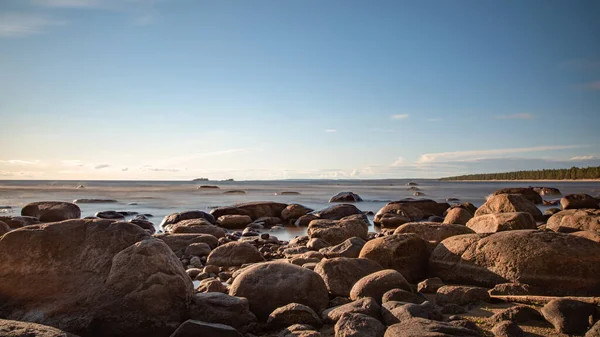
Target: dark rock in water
(346, 197)
(51, 211)
(216, 307)
(294, 211)
(288, 193)
(424, 327)
(270, 285)
(140, 217)
(176, 217)
(25, 329)
(127, 213)
(109, 215)
(145, 224)
(336, 212)
(191, 328)
(234, 192)
(340, 274)
(291, 314)
(506, 203)
(5, 208)
(498, 222)
(80, 187)
(414, 188)
(507, 329)
(573, 220)
(94, 201)
(358, 325)
(526, 192)
(305, 220)
(570, 316)
(547, 190)
(254, 210)
(338, 231)
(412, 184)
(576, 201)
(112, 276)
(453, 200)
(15, 222)
(371, 213)
(213, 187)
(564, 264)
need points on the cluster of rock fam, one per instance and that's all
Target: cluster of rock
(222, 274)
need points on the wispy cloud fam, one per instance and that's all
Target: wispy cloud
(398, 162)
(160, 169)
(581, 158)
(478, 154)
(21, 24)
(331, 130)
(101, 166)
(434, 119)
(19, 162)
(516, 116)
(399, 116)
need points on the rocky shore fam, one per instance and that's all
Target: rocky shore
(435, 269)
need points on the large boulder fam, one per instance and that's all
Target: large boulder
(422, 327)
(386, 215)
(358, 325)
(432, 231)
(15, 222)
(427, 206)
(179, 242)
(294, 211)
(112, 276)
(376, 284)
(51, 211)
(337, 212)
(406, 253)
(234, 254)
(255, 210)
(271, 285)
(348, 248)
(174, 218)
(553, 263)
(216, 307)
(346, 197)
(570, 316)
(234, 221)
(458, 215)
(291, 314)
(507, 203)
(366, 306)
(4, 228)
(576, 201)
(338, 231)
(498, 222)
(573, 220)
(200, 226)
(340, 274)
(527, 192)
(24, 329)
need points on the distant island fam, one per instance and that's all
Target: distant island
(200, 179)
(573, 173)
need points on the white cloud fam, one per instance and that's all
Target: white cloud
(398, 162)
(331, 130)
(101, 166)
(19, 162)
(21, 25)
(434, 119)
(480, 154)
(399, 116)
(125, 169)
(580, 158)
(516, 116)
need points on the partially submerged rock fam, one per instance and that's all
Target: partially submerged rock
(51, 211)
(346, 197)
(576, 201)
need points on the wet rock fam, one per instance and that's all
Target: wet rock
(305, 220)
(191, 328)
(25, 329)
(430, 285)
(387, 215)
(508, 203)
(576, 201)
(338, 231)
(293, 313)
(337, 212)
(51, 211)
(547, 190)
(421, 327)
(144, 224)
(401, 295)
(212, 187)
(570, 316)
(507, 329)
(234, 221)
(526, 192)
(498, 222)
(346, 197)
(573, 220)
(376, 284)
(366, 306)
(109, 215)
(358, 325)
(216, 307)
(461, 295)
(432, 232)
(177, 217)
(235, 192)
(340, 274)
(349, 248)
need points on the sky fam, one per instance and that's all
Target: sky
(296, 89)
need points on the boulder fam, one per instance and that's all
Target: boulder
(406, 253)
(4, 228)
(337, 212)
(111, 275)
(346, 197)
(519, 314)
(109, 215)
(197, 249)
(338, 231)
(211, 285)
(216, 307)
(358, 325)
(498, 222)
(187, 215)
(507, 203)
(294, 211)
(200, 226)
(422, 327)
(234, 254)
(527, 192)
(432, 231)
(51, 211)
(576, 201)
(340, 274)
(349, 248)
(594, 331)
(376, 284)
(427, 206)
(234, 221)
(401, 295)
(547, 190)
(305, 220)
(192, 328)
(385, 216)
(573, 220)
(461, 295)
(270, 285)
(553, 263)
(396, 312)
(94, 201)
(459, 216)
(293, 313)
(15, 222)
(366, 306)
(254, 210)
(391, 220)
(25, 329)
(467, 206)
(570, 316)
(507, 329)
(590, 235)
(179, 242)
(144, 224)
(430, 285)
(317, 244)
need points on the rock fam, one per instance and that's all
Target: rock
(338, 231)
(427, 206)
(234, 221)
(376, 284)
(216, 307)
(553, 263)
(299, 330)
(109, 215)
(235, 192)
(430, 285)
(316, 244)
(270, 285)
(200, 226)
(358, 325)
(507, 203)
(418, 194)
(234, 254)
(293, 313)
(421, 327)
(395, 213)
(340, 274)
(573, 220)
(94, 201)
(406, 253)
(570, 316)
(294, 211)
(14, 222)
(305, 220)
(453, 309)
(436, 219)
(467, 206)
(213, 187)
(269, 221)
(349, 248)
(288, 193)
(339, 211)
(547, 190)
(590, 235)
(498, 222)
(111, 276)
(511, 289)
(366, 306)
(389, 220)
(254, 210)
(507, 329)
(594, 331)
(461, 295)
(179, 242)
(432, 231)
(144, 224)
(346, 197)
(401, 295)
(518, 314)
(191, 328)
(211, 285)
(4, 228)
(412, 184)
(197, 249)
(526, 192)
(177, 217)
(51, 211)
(576, 201)
(25, 329)
(396, 312)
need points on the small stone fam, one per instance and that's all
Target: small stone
(507, 329)
(430, 285)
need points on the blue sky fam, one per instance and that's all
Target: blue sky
(178, 89)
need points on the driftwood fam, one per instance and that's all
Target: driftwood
(534, 299)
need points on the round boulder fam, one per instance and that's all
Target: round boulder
(573, 220)
(337, 212)
(234, 254)
(527, 192)
(432, 231)
(234, 221)
(51, 211)
(507, 203)
(376, 284)
(346, 197)
(338, 231)
(341, 273)
(499, 222)
(458, 215)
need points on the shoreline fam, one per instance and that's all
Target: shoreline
(524, 180)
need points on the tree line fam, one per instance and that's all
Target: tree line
(549, 174)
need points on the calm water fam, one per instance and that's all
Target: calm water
(161, 198)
